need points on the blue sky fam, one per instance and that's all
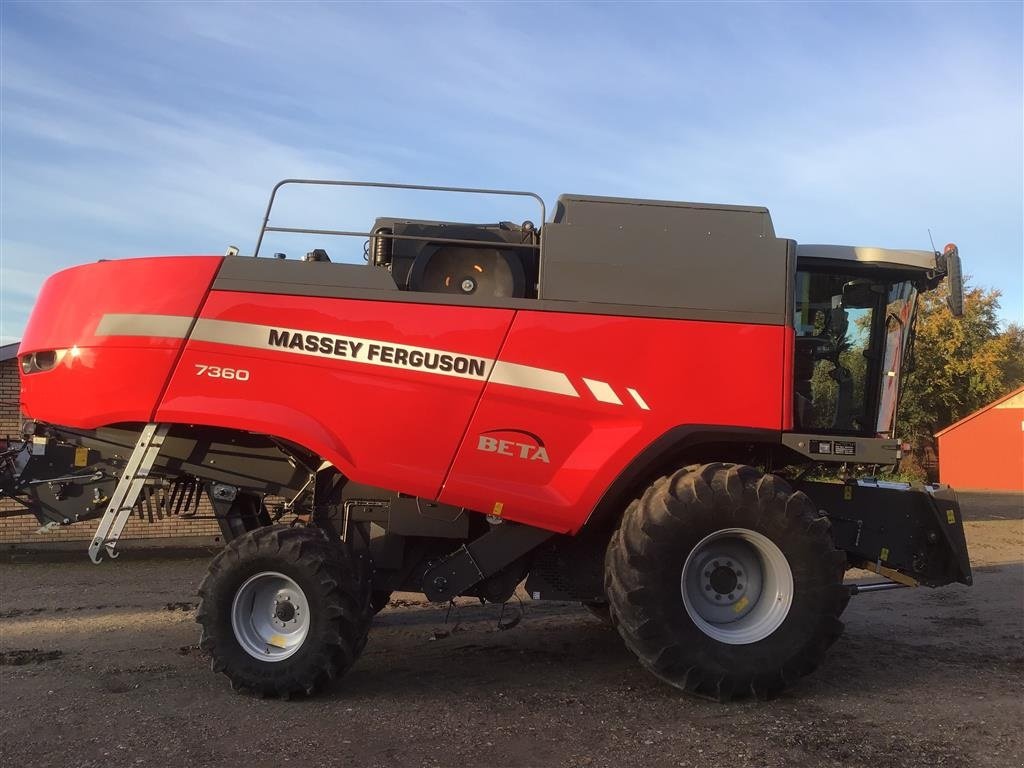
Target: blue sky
(148, 128)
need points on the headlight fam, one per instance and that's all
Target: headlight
(35, 362)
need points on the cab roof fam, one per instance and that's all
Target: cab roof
(926, 260)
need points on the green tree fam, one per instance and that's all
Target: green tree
(960, 364)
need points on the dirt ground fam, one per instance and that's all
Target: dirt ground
(99, 668)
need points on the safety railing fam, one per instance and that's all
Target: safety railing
(266, 227)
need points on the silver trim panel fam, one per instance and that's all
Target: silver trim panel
(388, 354)
(163, 326)
(898, 258)
(528, 377)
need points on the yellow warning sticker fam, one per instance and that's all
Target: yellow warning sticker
(81, 457)
(498, 506)
(951, 517)
(277, 641)
(847, 492)
(884, 554)
(742, 603)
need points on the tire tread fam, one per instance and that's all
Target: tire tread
(633, 569)
(342, 581)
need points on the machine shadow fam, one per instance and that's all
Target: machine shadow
(561, 648)
(991, 505)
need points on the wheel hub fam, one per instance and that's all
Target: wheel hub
(723, 579)
(284, 611)
(737, 586)
(270, 616)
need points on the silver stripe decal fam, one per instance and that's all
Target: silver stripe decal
(602, 391)
(639, 400)
(166, 326)
(528, 377)
(355, 349)
(387, 354)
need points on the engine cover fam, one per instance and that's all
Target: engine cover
(442, 266)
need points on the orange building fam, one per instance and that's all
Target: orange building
(985, 451)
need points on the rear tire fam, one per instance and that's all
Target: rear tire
(284, 610)
(725, 583)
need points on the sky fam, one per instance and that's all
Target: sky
(135, 129)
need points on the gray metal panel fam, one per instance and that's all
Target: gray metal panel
(695, 260)
(864, 450)
(631, 258)
(791, 261)
(343, 291)
(238, 272)
(593, 210)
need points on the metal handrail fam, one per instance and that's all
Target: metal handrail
(391, 236)
(264, 228)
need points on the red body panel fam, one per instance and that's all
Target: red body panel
(552, 408)
(395, 428)
(686, 372)
(109, 379)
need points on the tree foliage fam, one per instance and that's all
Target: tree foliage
(960, 363)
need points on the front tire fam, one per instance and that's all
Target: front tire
(284, 610)
(724, 582)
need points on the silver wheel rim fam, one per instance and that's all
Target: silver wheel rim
(270, 616)
(737, 586)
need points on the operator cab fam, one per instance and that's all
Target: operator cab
(854, 312)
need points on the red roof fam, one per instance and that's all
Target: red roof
(980, 411)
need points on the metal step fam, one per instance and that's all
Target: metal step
(126, 494)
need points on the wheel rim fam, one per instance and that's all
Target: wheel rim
(737, 586)
(270, 616)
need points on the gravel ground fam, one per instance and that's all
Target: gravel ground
(98, 666)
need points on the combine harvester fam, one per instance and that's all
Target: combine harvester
(620, 406)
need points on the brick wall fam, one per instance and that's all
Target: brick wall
(10, 420)
(23, 528)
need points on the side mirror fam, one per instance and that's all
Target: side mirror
(858, 294)
(955, 276)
